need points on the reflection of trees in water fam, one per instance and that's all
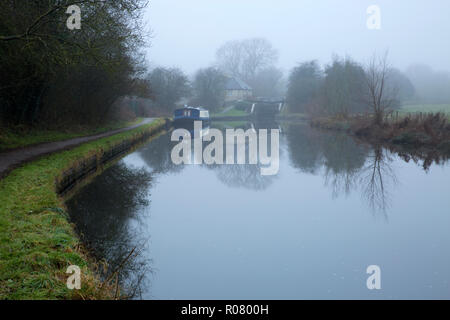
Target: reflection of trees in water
(422, 156)
(347, 165)
(242, 175)
(311, 149)
(305, 152)
(157, 155)
(107, 214)
(376, 178)
(246, 175)
(343, 159)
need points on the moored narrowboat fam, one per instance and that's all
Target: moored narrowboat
(189, 114)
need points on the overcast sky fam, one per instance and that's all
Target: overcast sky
(187, 33)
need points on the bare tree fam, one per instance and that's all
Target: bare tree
(244, 59)
(268, 83)
(381, 97)
(229, 57)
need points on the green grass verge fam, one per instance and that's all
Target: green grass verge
(229, 124)
(234, 113)
(16, 138)
(37, 241)
(230, 113)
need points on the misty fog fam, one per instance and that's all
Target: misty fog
(187, 34)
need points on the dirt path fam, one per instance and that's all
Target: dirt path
(14, 158)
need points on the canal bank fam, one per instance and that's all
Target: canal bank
(415, 134)
(38, 242)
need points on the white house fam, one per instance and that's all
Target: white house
(236, 89)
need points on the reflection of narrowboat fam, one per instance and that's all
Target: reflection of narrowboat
(190, 114)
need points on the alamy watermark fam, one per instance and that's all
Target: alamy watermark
(74, 280)
(374, 17)
(213, 153)
(374, 280)
(74, 20)
(373, 21)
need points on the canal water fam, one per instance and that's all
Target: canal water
(335, 207)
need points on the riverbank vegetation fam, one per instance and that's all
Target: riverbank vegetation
(430, 130)
(367, 102)
(37, 241)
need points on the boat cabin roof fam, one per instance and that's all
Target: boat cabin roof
(192, 108)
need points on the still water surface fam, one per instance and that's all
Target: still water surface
(226, 232)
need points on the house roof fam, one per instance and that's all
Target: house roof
(236, 84)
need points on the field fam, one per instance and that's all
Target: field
(426, 108)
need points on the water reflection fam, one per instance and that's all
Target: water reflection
(109, 222)
(347, 166)
(157, 155)
(242, 176)
(246, 175)
(377, 179)
(209, 219)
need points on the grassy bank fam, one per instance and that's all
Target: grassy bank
(37, 241)
(230, 113)
(229, 124)
(11, 138)
(233, 113)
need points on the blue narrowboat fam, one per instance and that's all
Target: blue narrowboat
(190, 114)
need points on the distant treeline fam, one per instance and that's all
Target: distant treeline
(344, 87)
(54, 76)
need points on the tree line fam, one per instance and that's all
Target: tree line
(55, 76)
(345, 87)
(340, 88)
